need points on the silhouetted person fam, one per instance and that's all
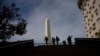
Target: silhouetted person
(53, 40)
(57, 39)
(46, 40)
(64, 42)
(69, 40)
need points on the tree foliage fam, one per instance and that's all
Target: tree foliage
(11, 22)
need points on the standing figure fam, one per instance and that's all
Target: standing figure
(46, 40)
(69, 40)
(57, 39)
(53, 40)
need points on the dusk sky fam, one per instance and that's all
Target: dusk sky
(64, 15)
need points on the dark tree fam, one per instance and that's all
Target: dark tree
(57, 39)
(11, 22)
(69, 40)
(46, 40)
(53, 40)
(64, 42)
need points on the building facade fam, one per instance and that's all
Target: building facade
(91, 12)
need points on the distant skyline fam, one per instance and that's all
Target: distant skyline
(64, 15)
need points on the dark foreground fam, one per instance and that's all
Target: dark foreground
(82, 47)
(68, 50)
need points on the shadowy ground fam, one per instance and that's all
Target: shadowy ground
(27, 48)
(68, 50)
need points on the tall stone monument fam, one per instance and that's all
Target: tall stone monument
(47, 31)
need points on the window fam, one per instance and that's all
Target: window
(98, 19)
(88, 20)
(85, 27)
(89, 12)
(99, 5)
(88, 24)
(92, 16)
(93, 7)
(84, 4)
(91, 20)
(93, 24)
(85, 16)
(88, 4)
(90, 8)
(90, 28)
(90, 32)
(85, 9)
(92, 36)
(96, 10)
(96, 33)
(93, 1)
(97, 13)
(94, 28)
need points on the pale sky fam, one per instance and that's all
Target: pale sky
(64, 15)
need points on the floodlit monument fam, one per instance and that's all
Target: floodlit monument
(47, 31)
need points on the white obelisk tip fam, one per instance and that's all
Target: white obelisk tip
(46, 18)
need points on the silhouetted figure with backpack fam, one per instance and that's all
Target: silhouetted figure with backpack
(46, 40)
(69, 40)
(53, 40)
(57, 39)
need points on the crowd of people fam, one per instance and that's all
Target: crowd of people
(55, 41)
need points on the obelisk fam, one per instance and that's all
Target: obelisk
(47, 31)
